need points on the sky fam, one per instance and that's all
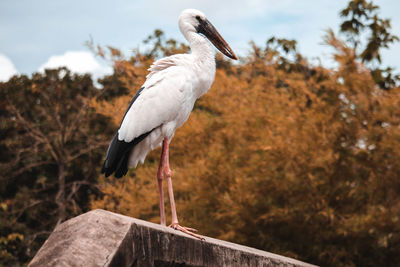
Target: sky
(40, 34)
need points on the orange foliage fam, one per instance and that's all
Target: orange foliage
(294, 159)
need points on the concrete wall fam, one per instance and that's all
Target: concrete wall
(102, 238)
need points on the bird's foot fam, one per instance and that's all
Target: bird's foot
(186, 230)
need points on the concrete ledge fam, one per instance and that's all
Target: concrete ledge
(102, 238)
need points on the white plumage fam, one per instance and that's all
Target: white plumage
(165, 101)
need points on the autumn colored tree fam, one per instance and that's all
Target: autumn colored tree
(52, 145)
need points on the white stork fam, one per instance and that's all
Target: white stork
(164, 103)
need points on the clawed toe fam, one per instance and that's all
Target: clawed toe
(186, 230)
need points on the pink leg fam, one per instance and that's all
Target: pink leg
(160, 186)
(167, 172)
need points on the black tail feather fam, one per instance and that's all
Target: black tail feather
(118, 155)
(117, 150)
(122, 167)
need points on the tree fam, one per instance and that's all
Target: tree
(52, 144)
(360, 15)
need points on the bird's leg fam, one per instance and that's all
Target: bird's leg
(160, 175)
(167, 171)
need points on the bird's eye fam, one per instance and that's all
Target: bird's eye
(198, 17)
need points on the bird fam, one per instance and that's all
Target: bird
(164, 103)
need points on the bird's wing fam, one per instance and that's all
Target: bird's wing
(158, 103)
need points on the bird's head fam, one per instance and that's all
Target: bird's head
(194, 21)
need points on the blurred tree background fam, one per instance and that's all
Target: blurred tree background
(281, 155)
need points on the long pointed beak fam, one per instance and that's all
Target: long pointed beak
(205, 27)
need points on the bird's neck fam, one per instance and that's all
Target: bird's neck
(201, 48)
(203, 55)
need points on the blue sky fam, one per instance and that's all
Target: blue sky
(47, 33)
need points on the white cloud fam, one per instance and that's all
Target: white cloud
(7, 68)
(79, 62)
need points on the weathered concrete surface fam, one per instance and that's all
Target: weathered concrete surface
(102, 238)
